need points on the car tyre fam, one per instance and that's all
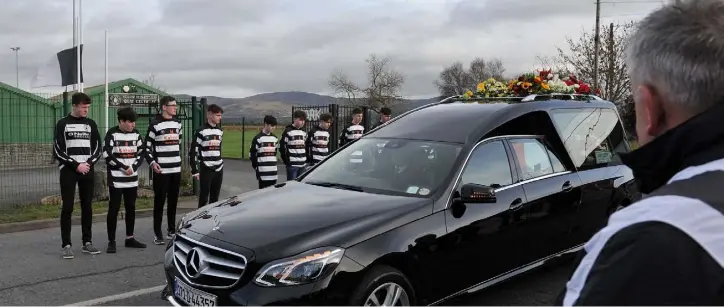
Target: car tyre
(383, 285)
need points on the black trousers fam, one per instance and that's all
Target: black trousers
(114, 205)
(209, 185)
(69, 178)
(165, 186)
(266, 183)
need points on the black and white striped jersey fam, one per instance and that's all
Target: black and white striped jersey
(263, 156)
(206, 148)
(76, 141)
(163, 144)
(317, 144)
(351, 133)
(122, 150)
(292, 146)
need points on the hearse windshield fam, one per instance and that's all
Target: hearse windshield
(388, 166)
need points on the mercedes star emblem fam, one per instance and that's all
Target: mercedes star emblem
(196, 263)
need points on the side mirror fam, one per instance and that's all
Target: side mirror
(477, 193)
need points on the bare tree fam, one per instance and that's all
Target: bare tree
(613, 80)
(455, 79)
(344, 87)
(481, 70)
(384, 84)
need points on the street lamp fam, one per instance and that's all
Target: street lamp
(17, 78)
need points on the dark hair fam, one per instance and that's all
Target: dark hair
(165, 100)
(80, 98)
(300, 114)
(385, 111)
(213, 108)
(357, 111)
(127, 114)
(325, 117)
(270, 120)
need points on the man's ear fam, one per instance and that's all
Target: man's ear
(653, 110)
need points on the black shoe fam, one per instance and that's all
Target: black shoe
(111, 247)
(158, 240)
(133, 243)
(170, 234)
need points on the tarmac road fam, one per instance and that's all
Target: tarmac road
(34, 274)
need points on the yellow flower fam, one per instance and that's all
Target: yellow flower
(468, 94)
(481, 87)
(545, 86)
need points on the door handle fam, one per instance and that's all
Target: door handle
(567, 186)
(516, 204)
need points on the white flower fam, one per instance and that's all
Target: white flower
(558, 86)
(576, 85)
(550, 76)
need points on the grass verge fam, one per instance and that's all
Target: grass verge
(34, 212)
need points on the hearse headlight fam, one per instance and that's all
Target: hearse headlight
(181, 223)
(303, 268)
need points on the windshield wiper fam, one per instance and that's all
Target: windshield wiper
(335, 185)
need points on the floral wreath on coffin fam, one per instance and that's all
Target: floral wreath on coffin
(541, 82)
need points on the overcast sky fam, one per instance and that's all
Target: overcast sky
(237, 48)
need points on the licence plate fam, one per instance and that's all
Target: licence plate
(192, 296)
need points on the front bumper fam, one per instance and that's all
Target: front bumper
(331, 290)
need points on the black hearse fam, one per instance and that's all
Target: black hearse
(446, 199)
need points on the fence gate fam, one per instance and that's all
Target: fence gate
(341, 116)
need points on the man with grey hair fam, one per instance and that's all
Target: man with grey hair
(668, 248)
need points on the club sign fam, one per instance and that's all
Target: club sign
(132, 99)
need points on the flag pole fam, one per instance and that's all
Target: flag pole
(80, 35)
(77, 59)
(106, 80)
(75, 37)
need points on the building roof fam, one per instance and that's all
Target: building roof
(17, 91)
(99, 89)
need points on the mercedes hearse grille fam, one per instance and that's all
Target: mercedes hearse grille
(205, 265)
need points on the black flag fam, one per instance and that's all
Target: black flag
(69, 65)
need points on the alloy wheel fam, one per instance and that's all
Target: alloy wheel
(388, 294)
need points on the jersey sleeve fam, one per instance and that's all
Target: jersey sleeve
(149, 149)
(59, 147)
(195, 151)
(253, 150)
(96, 144)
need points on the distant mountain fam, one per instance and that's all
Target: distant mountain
(280, 104)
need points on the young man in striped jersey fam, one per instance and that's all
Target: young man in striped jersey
(206, 148)
(123, 151)
(353, 131)
(318, 140)
(385, 116)
(292, 145)
(77, 147)
(263, 153)
(163, 153)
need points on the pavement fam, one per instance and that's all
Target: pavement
(34, 273)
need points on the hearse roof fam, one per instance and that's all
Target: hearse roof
(454, 119)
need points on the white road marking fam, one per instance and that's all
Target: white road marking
(117, 297)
